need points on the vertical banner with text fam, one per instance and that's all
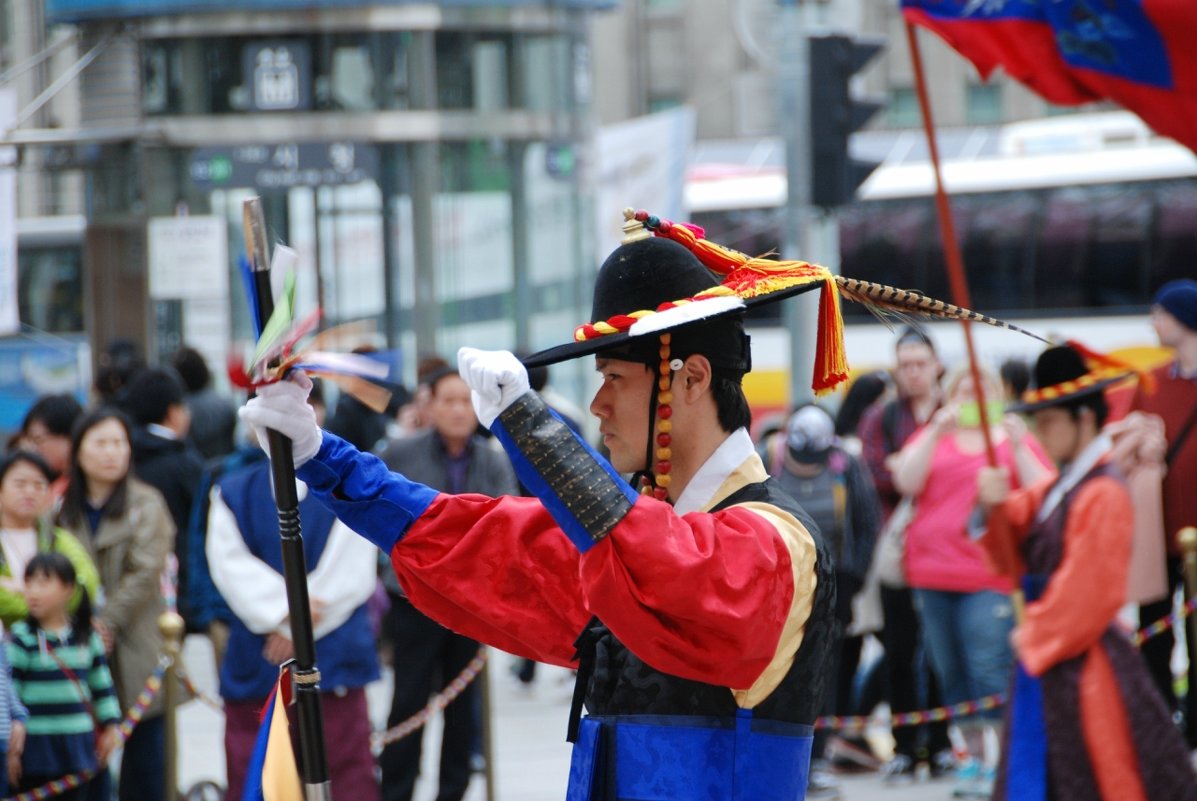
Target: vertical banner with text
(10, 321)
(641, 163)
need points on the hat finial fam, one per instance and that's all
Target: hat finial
(633, 229)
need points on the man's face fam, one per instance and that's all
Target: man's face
(917, 370)
(621, 405)
(1167, 328)
(54, 448)
(1058, 432)
(450, 409)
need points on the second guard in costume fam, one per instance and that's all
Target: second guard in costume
(1085, 721)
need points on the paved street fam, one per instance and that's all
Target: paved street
(529, 738)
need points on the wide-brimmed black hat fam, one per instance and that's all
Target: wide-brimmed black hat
(1067, 372)
(666, 278)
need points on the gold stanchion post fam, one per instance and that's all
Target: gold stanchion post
(171, 626)
(1188, 546)
(488, 751)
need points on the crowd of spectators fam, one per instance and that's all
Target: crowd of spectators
(149, 480)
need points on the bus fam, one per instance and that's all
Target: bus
(1067, 227)
(50, 353)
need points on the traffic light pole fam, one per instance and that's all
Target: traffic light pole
(794, 121)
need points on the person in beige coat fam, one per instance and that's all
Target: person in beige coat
(128, 529)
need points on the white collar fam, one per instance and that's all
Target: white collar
(160, 430)
(730, 454)
(1073, 473)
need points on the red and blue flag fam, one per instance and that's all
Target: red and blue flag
(1141, 54)
(272, 774)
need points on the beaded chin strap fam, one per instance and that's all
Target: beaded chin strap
(656, 481)
(658, 486)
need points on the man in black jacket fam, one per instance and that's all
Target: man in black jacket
(162, 455)
(449, 457)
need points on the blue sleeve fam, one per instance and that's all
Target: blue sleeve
(366, 496)
(15, 707)
(578, 487)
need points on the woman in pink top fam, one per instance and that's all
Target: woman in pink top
(964, 608)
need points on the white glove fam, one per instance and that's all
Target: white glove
(284, 407)
(496, 380)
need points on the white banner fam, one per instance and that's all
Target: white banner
(189, 258)
(10, 321)
(641, 163)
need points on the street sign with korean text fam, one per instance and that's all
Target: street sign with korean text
(283, 166)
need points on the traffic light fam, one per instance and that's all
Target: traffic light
(835, 114)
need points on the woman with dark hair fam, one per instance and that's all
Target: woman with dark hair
(865, 390)
(26, 531)
(128, 529)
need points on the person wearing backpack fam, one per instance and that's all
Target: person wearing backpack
(808, 461)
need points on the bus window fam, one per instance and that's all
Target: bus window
(1174, 240)
(50, 287)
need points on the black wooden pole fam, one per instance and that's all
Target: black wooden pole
(313, 762)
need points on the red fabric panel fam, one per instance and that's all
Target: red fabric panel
(1106, 728)
(1029, 53)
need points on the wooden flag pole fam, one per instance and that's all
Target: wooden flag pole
(957, 279)
(947, 229)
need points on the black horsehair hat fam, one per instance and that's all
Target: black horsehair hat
(658, 298)
(655, 285)
(1068, 372)
(666, 277)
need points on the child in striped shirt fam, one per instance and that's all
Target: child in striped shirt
(60, 674)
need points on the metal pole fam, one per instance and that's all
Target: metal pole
(1188, 546)
(312, 758)
(171, 626)
(793, 118)
(425, 172)
(488, 739)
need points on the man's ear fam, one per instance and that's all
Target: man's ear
(694, 378)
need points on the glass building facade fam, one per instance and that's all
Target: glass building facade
(425, 160)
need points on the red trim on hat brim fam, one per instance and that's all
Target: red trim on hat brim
(574, 350)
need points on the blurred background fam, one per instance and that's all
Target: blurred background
(453, 173)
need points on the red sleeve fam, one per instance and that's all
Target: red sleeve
(1089, 586)
(704, 596)
(498, 570)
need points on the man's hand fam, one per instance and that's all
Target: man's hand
(1017, 635)
(278, 649)
(1015, 428)
(993, 486)
(496, 380)
(284, 407)
(317, 608)
(16, 740)
(944, 419)
(105, 634)
(14, 769)
(106, 743)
